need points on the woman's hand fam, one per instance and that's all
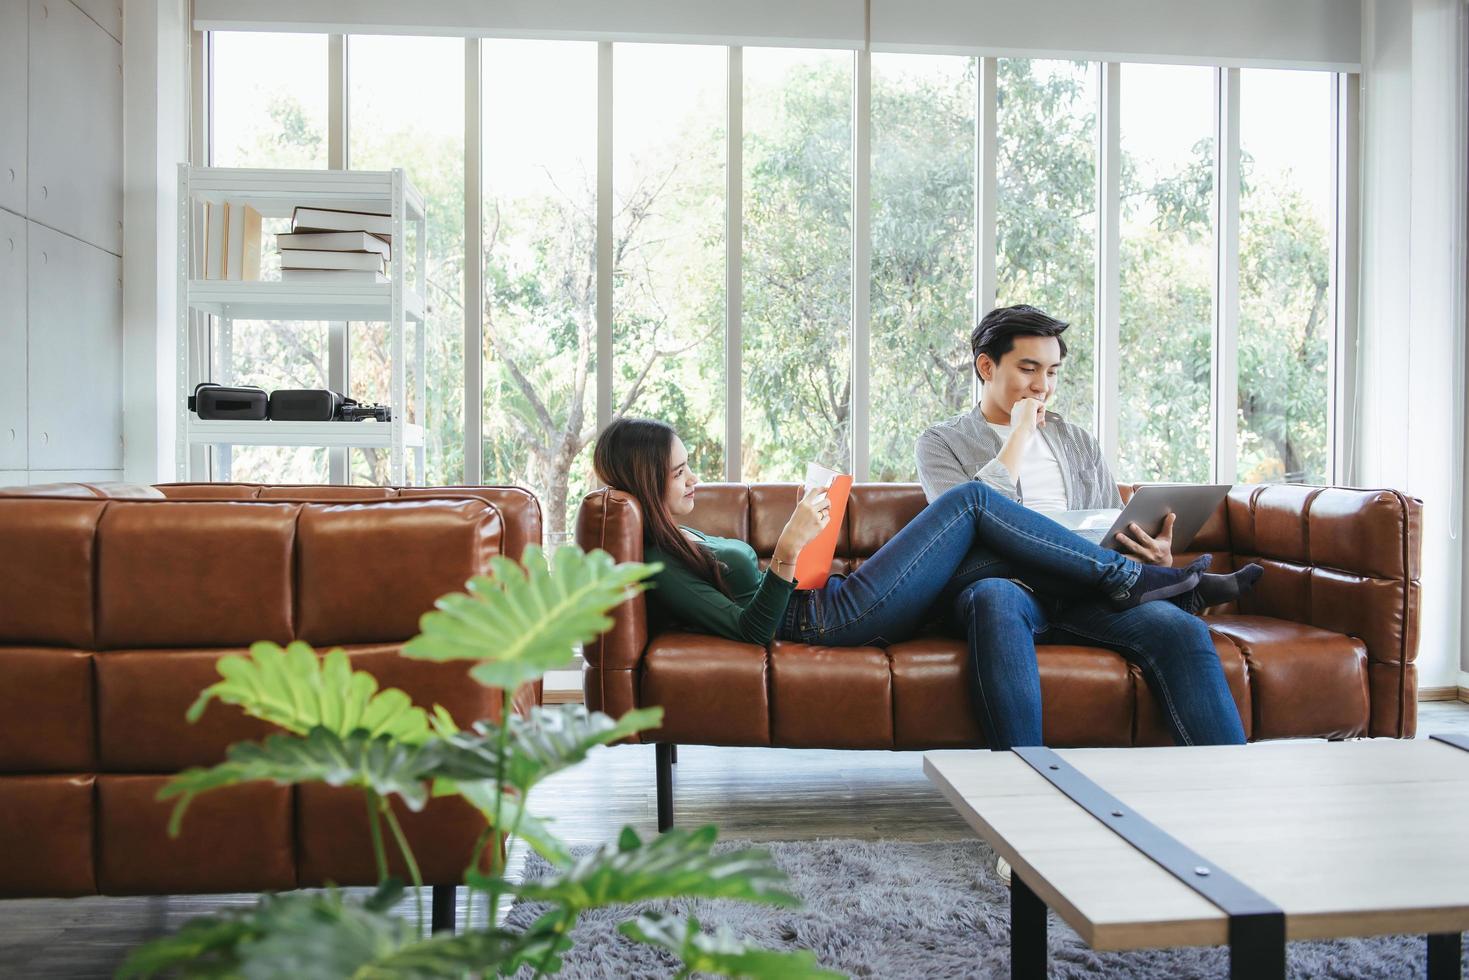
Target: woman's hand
(811, 517)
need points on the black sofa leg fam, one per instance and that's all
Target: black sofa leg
(443, 908)
(665, 754)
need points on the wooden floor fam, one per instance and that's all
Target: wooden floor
(755, 794)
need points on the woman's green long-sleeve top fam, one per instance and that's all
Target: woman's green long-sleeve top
(759, 598)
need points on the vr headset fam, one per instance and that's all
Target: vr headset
(244, 403)
(247, 403)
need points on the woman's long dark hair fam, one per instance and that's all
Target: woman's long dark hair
(632, 455)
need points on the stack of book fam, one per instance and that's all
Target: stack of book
(325, 245)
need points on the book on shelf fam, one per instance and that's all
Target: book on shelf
(199, 240)
(333, 276)
(242, 254)
(306, 258)
(332, 219)
(334, 241)
(214, 251)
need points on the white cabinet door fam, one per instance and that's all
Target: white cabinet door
(107, 13)
(12, 342)
(75, 344)
(13, 40)
(75, 178)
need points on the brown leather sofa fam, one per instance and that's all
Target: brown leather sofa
(115, 603)
(1324, 645)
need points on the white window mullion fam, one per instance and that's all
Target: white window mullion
(338, 351)
(604, 233)
(1341, 418)
(1224, 390)
(197, 350)
(861, 264)
(734, 243)
(1109, 246)
(474, 347)
(986, 190)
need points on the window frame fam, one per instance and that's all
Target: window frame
(1344, 257)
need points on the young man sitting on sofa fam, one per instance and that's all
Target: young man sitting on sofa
(1012, 443)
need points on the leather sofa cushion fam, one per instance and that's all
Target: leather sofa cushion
(1305, 681)
(185, 573)
(335, 845)
(47, 827)
(46, 704)
(713, 691)
(47, 582)
(830, 697)
(368, 571)
(235, 839)
(143, 695)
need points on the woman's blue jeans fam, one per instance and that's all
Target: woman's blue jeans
(1004, 622)
(890, 595)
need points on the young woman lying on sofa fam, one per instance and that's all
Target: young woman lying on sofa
(715, 585)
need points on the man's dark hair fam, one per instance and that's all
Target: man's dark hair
(995, 334)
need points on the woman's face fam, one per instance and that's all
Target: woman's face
(678, 490)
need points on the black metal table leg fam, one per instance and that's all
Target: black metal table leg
(443, 908)
(1257, 947)
(1027, 931)
(665, 785)
(1445, 954)
(673, 757)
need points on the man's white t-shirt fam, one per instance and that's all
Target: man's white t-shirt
(1041, 485)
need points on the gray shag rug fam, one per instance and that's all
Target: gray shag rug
(893, 910)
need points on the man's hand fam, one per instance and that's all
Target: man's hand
(1135, 543)
(1027, 415)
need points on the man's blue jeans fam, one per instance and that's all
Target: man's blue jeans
(891, 595)
(1004, 623)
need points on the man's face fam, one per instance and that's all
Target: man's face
(1027, 371)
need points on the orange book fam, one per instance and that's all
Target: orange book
(813, 564)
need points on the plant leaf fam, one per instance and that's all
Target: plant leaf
(534, 830)
(298, 934)
(299, 691)
(491, 952)
(378, 763)
(524, 619)
(208, 943)
(722, 953)
(547, 740)
(676, 864)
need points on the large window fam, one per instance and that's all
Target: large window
(923, 146)
(392, 125)
(270, 106)
(1046, 209)
(1285, 303)
(540, 272)
(797, 262)
(668, 242)
(662, 149)
(1165, 353)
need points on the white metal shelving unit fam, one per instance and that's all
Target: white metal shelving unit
(274, 193)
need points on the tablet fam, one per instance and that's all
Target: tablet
(1150, 504)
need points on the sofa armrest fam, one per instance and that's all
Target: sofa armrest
(1343, 560)
(611, 520)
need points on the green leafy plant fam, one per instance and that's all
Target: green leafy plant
(340, 729)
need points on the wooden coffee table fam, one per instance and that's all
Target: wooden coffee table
(1247, 845)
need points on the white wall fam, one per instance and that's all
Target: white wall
(60, 241)
(1411, 372)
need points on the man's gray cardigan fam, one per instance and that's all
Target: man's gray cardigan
(965, 448)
